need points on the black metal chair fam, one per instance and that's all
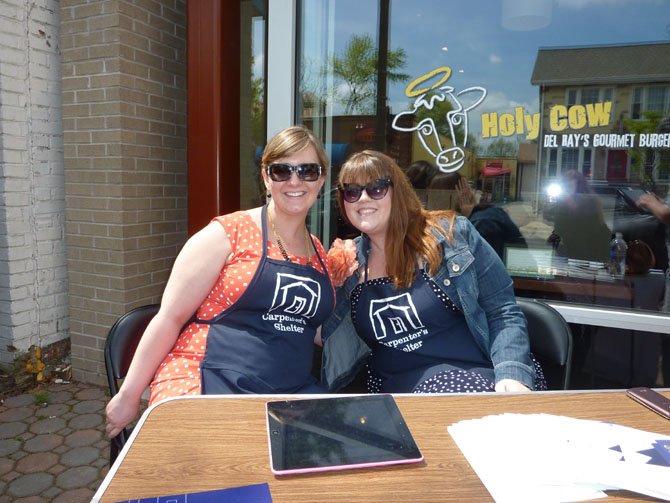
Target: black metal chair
(120, 347)
(550, 341)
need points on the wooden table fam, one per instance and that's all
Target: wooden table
(205, 443)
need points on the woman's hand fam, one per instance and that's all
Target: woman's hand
(465, 192)
(654, 204)
(511, 385)
(120, 411)
(466, 199)
(647, 200)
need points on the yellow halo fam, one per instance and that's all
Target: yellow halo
(411, 92)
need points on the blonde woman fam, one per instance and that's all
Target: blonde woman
(258, 284)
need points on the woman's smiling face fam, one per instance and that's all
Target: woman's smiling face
(370, 216)
(294, 195)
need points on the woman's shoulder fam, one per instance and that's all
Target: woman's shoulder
(240, 227)
(241, 218)
(459, 222)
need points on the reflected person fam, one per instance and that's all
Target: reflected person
(420, 174)
(661, 210)
(580, 231)
(491, 221)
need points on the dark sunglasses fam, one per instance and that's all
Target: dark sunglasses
(281, 171)
(376, 190)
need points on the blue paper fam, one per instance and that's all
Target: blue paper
(258, 493)
(663, 449)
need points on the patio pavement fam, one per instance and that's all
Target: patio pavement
(52, 444)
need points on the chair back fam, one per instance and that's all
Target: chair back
(120, 346)
(550, 341)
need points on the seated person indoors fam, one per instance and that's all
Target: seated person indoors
(421, 173)
(430, 298)
(243, 275)
(491, 221)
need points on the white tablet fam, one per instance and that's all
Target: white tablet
(338, 433)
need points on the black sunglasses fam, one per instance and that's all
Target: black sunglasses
(376, 190)
(281, 171)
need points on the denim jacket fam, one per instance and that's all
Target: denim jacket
(474, 278)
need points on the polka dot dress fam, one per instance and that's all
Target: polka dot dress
(455, 381)
(464, 381)
(451, 381)
(179, 373)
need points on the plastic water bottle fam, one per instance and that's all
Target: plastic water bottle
(618, 249)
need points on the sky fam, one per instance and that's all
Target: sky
(469, 38)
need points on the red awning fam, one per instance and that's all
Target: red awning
(494, 171)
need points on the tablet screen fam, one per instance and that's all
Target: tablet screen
(338, 433)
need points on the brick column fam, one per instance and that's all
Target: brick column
(124, 121)
(33, 275)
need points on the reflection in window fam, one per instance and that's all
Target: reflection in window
(576, 95)
(590, 95)
(586, 163)
(650, 99)
(252, 100)
(569, 159)
(658, 101)
(552, 166)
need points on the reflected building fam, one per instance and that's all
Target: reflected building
(590, 97)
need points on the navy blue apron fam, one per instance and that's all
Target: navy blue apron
(411, 333)
(264, 342)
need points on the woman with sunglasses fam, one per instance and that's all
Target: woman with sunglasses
(430, 301)
(258, 285)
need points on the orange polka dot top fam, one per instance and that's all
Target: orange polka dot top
(179, 373)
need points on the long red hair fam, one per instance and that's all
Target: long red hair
(409, 237)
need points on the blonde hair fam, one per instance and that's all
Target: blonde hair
(409, 236)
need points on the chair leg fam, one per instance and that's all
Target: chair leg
(113, 450)
(116, 444)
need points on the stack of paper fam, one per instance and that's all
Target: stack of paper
(541, 457)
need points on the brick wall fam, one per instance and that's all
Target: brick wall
(33, 275)
(124, 122)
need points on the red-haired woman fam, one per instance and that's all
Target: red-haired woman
(429, 307)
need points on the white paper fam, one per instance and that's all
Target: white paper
(542, 457)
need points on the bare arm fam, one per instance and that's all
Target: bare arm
(655, 205)
(194, 273)
(510, 385)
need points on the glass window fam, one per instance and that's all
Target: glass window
(589, 96)
(552, 168)
(607, 94)
(586, 163)
(657, 99)
(572, 97)
(636, 107)
(252, 99)
(551, 110)
(569, 159)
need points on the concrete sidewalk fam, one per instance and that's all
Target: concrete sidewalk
(53, 445)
